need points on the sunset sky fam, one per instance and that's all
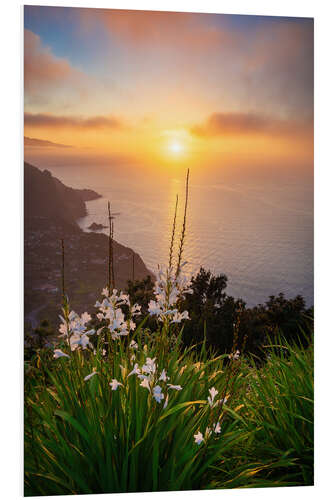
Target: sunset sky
(166, 88)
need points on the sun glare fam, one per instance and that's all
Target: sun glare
(175, 144)
(175, 147)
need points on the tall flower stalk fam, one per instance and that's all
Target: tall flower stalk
(173, 231)
(170, 286)
(182, 237)
(111, 281)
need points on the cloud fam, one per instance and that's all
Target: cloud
(249, 124)
(77, 122)
(278, 62)
(40, 143)
(264, 61)
(42, 68)
(141, 28)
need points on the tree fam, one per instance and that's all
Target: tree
(221, 317)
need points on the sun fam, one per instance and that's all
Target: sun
(175, 147)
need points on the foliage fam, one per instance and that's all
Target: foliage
(279, 418)
(83, 437)
(213, 314)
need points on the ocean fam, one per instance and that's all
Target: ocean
(257, 229)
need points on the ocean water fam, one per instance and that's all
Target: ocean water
(257, 230)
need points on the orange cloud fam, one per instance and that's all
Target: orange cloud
(177, 29)
(55, 121)
(42, 68)
(40, 143)
(249, 123)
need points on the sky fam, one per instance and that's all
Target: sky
(167, 89)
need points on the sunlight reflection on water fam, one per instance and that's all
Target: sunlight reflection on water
(259, 234)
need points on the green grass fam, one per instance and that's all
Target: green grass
(82, 437)
(278, 415)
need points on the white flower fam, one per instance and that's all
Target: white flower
(168, 289)
(163, 376)
(74, 327)
(118, 320)
(85, 317)
(198, 438)
(136, 370)
(63, 329)
(90, 375)
(133, 345)
(154, 308)
(73, 341)
(115, 384)
(166, 401)
(59, 354)
(175, 387)
(173, 297)
(72, 315)
(124, 298)
(149, 366)
(132, 325)
(145, 382)
(234, 355)
(110, 310)
(217, 428)
(83, 341)
(135, 310)
(213, 392)
(123, 330)
(179, 317)
(157, 393)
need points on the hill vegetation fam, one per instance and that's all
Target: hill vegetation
(121, 408)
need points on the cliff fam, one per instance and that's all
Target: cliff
(51, 209)
(46, 195)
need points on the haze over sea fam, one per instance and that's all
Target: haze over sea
(257, 229)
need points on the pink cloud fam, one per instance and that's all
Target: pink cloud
(58, 121)
(249, 124)
(175, 29)
(42, 68)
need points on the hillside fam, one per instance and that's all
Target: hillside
(51, 209)
(45, 194)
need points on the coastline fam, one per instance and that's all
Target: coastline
(86, 259)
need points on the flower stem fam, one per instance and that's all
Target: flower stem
(182, 238)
